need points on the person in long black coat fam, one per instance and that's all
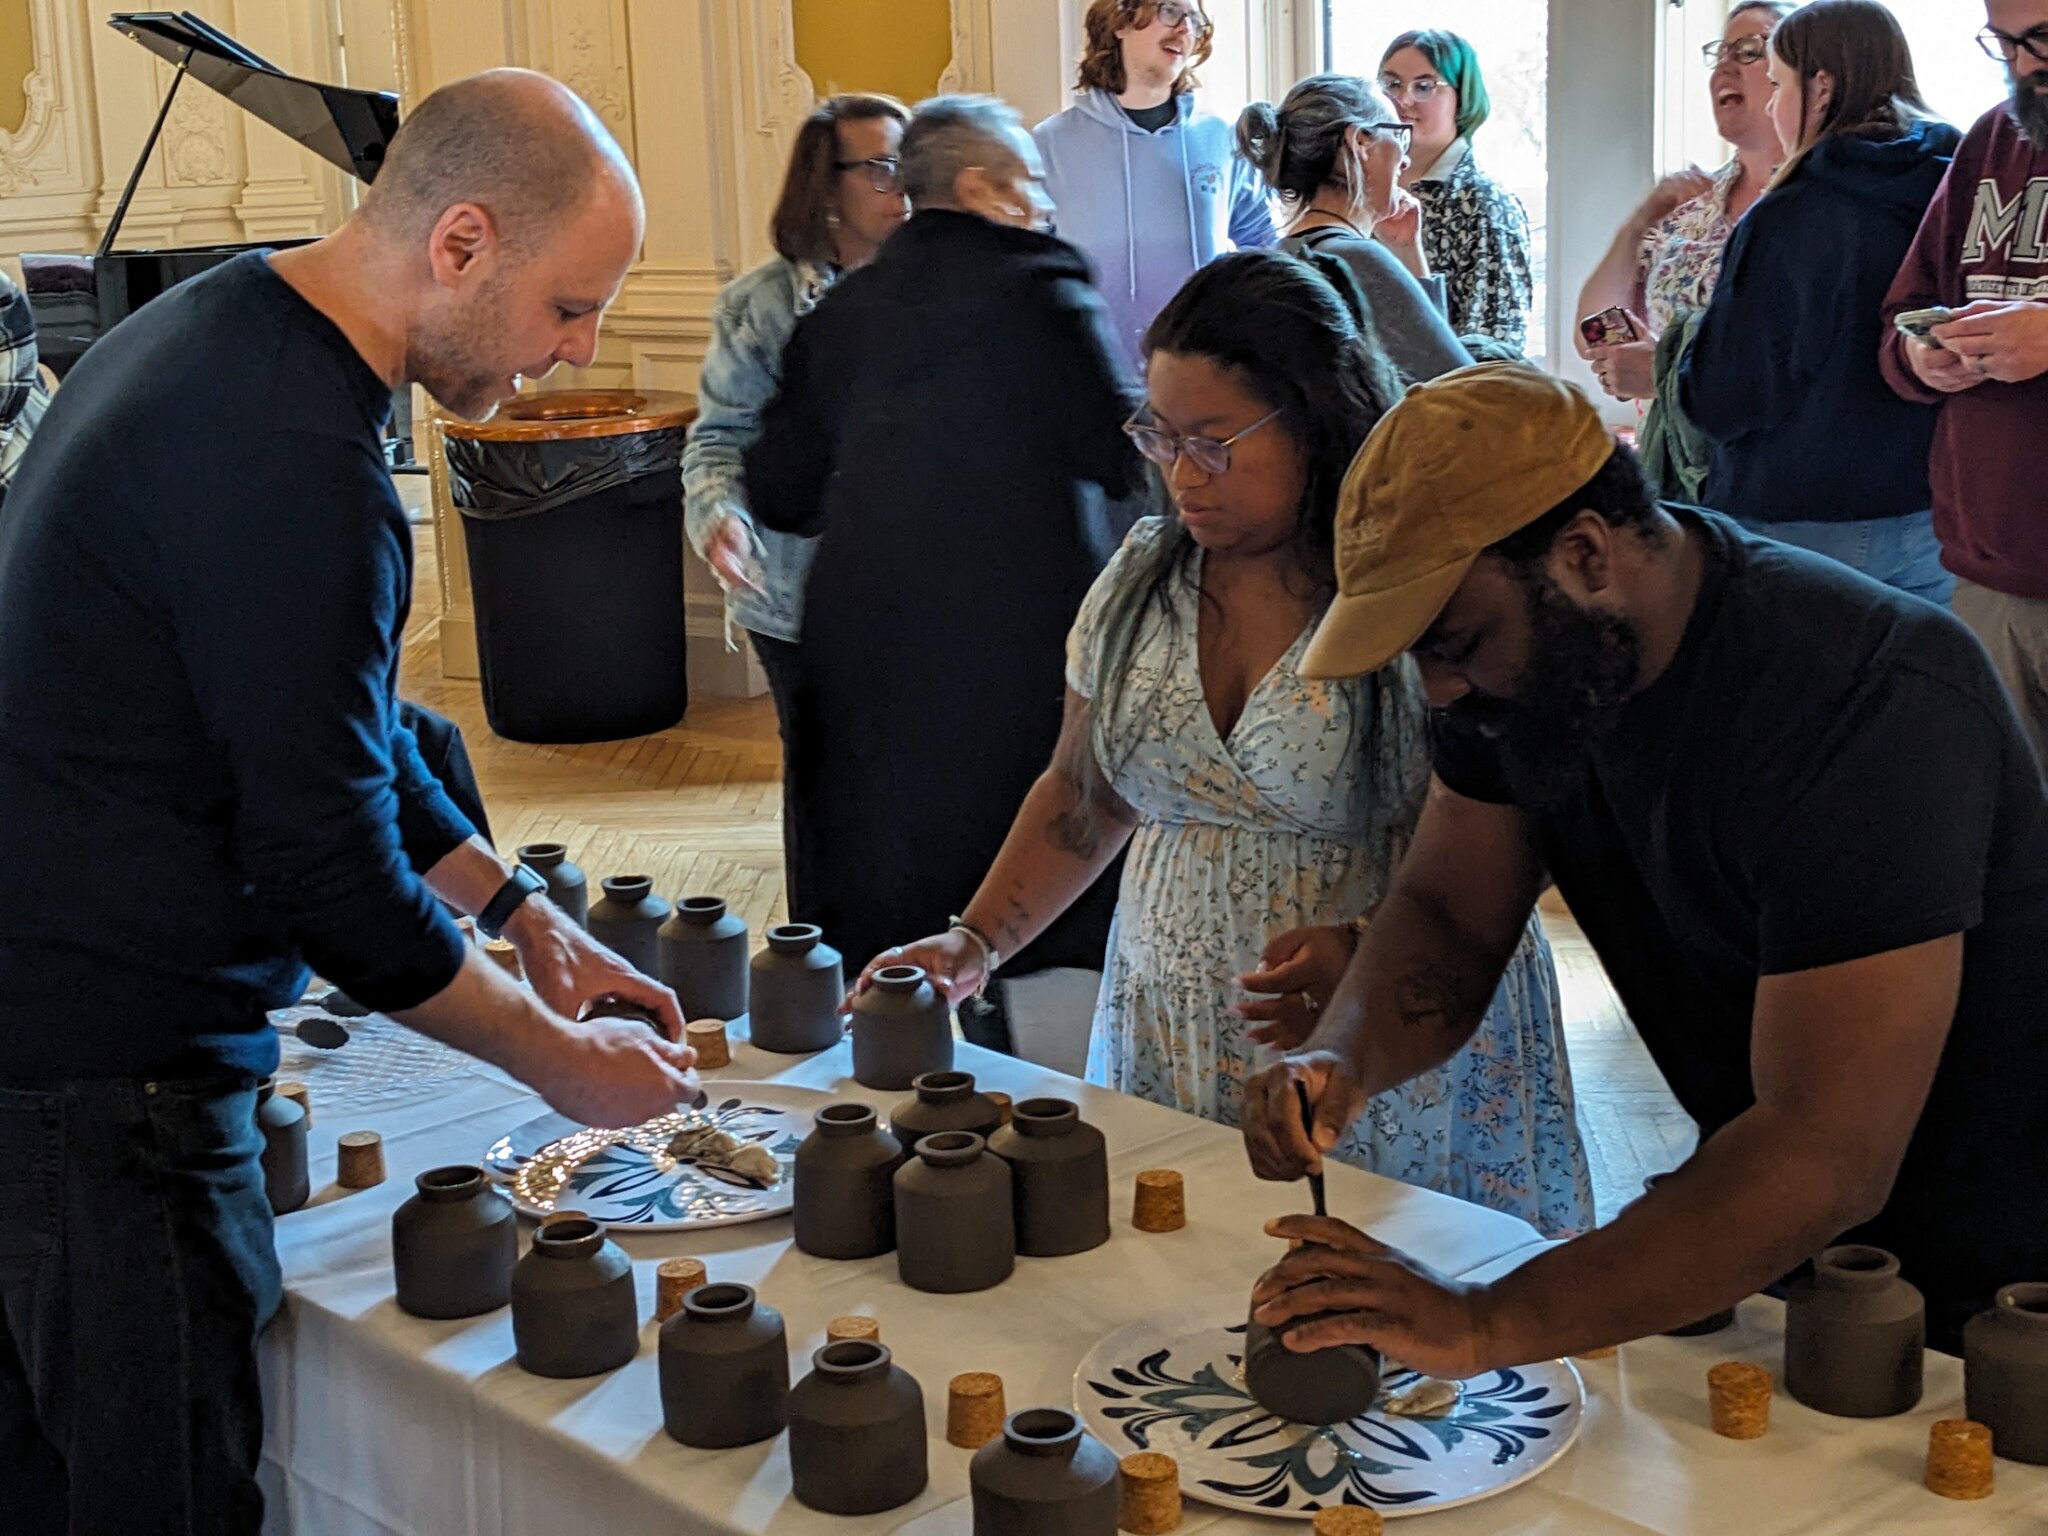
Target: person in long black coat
(950, 429)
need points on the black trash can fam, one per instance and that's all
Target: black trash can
(572, 514)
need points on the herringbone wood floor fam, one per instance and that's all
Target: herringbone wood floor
(699, 808)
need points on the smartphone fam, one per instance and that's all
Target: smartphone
(1918, 322)
(1609, 328)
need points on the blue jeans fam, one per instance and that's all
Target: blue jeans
(1901, 552)
(137, 1266)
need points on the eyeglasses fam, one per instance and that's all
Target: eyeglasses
(1172, 17)
(1401, 133)
(885, 172)
(1744, 50)
(1421, 88)
(2003, 45)
(1211, 456)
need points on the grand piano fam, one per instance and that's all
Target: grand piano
(77, 299)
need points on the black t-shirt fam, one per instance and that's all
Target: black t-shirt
(1828, 770)
(1152, 119)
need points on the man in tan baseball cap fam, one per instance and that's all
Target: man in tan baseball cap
(1794, 812)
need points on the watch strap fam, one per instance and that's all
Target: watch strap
(523, 883)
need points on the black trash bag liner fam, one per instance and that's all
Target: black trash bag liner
(491, 480)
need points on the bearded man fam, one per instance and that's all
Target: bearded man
(1799, 821)
(1982, 254)
(204, 577)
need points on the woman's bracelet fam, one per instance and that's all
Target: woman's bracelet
(991, 957)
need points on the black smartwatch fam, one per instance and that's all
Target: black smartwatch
(524, 882)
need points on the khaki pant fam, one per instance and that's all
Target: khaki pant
(2015, 631)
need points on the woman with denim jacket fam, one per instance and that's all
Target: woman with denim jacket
(841, 198)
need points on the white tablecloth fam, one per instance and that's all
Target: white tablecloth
(381, 1424)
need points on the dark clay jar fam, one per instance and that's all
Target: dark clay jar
(573, 1309)
(286, 1181)
(627, 920)
(795, 992)
(703, 955)
(1322, 1386)
(856, 1432)
(1045, 1476)
(902, 1029)
(454, 1245)
(1854, 1335)
(844, 1199)
(944, 1101)
(1061, 1167)
(568, 888)
(955, 1222)
(2005, 1372)
(724, 1369)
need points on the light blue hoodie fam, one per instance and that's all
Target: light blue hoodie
(1148, 209)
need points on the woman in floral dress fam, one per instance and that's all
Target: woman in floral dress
(1256, 802)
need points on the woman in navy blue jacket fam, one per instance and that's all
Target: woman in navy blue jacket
(1811, 447)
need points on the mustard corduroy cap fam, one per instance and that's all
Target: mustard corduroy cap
(1462, 462)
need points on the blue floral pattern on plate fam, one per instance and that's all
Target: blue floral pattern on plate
(1172, 1383)
(626, 1186)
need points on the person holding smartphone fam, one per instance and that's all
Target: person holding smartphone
(1984, 362)
(1667, 254)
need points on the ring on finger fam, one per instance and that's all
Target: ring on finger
(1309, 1002)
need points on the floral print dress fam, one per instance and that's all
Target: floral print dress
(1278, 828)
(1681, 255)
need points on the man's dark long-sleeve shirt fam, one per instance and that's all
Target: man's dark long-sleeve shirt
(204, 784)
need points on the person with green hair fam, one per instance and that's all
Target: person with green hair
(1474, 231)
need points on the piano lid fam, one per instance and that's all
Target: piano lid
(347, 128)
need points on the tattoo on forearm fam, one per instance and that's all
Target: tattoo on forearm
(1015, 920)
(1074, 832)
(1437, 997)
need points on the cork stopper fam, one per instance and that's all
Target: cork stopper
(1739, 1400)
(554, 1216)
(673, 1280)
(841, 1329)
(504, 954)
(1959, 1459)
(1150, 1504)
(1604, 1352)
(1160, 1203)
(1001, 1102)
(361, 1164)
(707, 1038)
(297, 1093)
(1348, 1520)
(974, 1409)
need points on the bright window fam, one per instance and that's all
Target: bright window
(1512, 39)
(1957, 78)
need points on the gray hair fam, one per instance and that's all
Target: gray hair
(951, 134)
(1299, 149)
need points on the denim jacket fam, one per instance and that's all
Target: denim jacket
(750, 325)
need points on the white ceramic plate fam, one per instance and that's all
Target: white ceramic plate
(624, 1186)
(1171, 1383)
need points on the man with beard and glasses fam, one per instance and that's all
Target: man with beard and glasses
(1795, 814)
(1982, 252)
(204, 576)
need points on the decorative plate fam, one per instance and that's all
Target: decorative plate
(628, 1179)
(1173, 1383)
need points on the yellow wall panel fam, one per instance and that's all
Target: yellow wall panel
(900, 47)
(17, 58)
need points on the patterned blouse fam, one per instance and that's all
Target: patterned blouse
(1680, 259)
(1476, 233)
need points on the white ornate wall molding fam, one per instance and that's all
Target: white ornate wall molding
(49, 164)
(973, 65)
(587, 45)
(287, 192)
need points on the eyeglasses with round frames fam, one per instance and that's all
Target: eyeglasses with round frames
(1420, 89)
(1172, 17)
(885, 172)
(1402, 134)
(2007, 48)
(1211, 455)
(1743, 50)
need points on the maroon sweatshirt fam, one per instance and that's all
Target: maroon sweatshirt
(1985, 237)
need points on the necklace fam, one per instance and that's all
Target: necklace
(1324, 213)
